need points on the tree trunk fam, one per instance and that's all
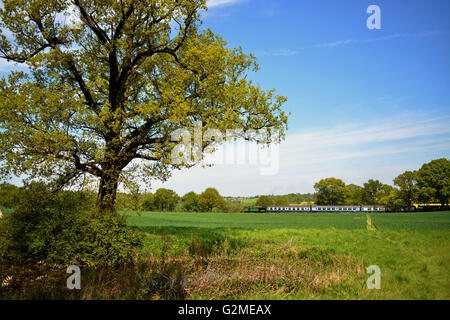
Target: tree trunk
(107, 192)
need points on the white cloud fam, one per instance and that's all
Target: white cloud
(216, 3)
(334, 44)
(280, 52)
(352, 152)
(345, 42)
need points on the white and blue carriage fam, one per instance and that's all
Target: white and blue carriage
(318, 208)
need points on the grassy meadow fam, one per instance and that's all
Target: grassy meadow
(295, 256)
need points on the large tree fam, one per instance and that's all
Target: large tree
(190, 201)
(265, 201)
(433, 181)
(330, 191)
(373, 191)
(210, 199)
(165, 199)
(354, 194)
(105, 92)
(407, 187)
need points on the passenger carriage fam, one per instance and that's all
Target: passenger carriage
(317, 209)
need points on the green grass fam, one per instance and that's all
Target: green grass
(250, 221)
(305, 256)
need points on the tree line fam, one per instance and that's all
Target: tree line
(162, 200)
(429, 184)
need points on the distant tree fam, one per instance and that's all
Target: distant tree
(210, 199)
(165, 199)
(433, 180)
(148, 204)
(265, 201)
(372, 191)
(281, 201)
(190, 201)
(330, 191)
(392, 200)
(406, 183)
(354, 194)
(299, 197)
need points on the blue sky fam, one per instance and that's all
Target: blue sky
(364, 103)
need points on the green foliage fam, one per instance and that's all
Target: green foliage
(62, 228)
(393, 200)
(230, 206)
(330, 191)
(373, 191)
(406, 183)
(165, 199)
(299, 197)
(281, 201)
(210, 199)
(265, 201)
(9, 195)
(190, 201)
(354, 194)
(148, 204)
(433, 181)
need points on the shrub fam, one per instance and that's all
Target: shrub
(9, 195)
(63, 228)
(233, 206)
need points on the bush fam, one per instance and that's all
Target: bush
(63, 228)
(9, 195)
(233, 206)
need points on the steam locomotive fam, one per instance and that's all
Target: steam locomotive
(315, 209)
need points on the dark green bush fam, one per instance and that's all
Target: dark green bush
(64, 228)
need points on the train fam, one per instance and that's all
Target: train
(315, 209)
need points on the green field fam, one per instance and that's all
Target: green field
(385, 221)
(304, 256)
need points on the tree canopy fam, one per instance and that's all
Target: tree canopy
(165, 199)
(433, 180)
(103, 94)
(190, 201)
(407, 187)
(210, 199)
(330, 191)
(265, 201)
